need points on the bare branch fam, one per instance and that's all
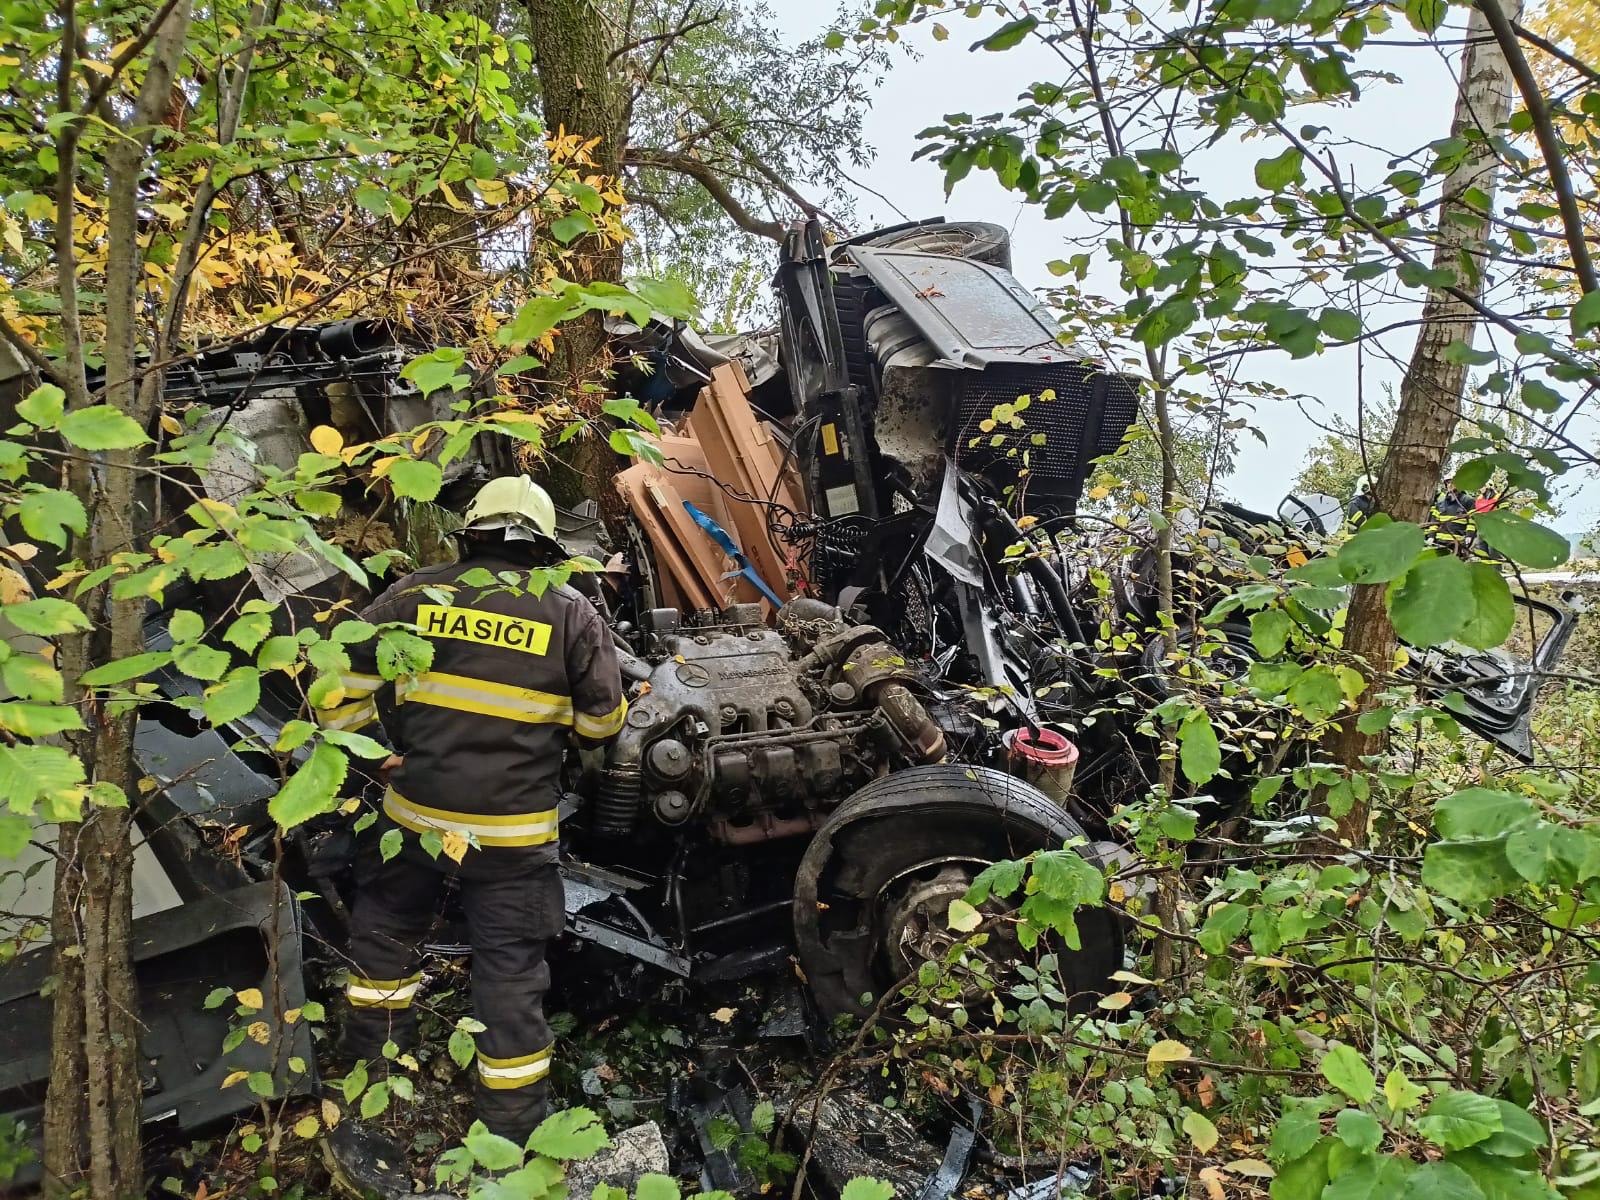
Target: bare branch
(701, 173)
(1549, 144)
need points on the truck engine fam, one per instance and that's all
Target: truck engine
(753, 732)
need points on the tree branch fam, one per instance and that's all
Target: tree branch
(1549, 144)
(30, 352)
(701, 173)
(1556, 52)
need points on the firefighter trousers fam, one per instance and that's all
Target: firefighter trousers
(512, 911)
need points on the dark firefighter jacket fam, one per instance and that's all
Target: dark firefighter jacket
(482, 731)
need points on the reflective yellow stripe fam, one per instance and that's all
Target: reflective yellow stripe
(590, 726)
(504, 1073)
(357, 684)
(349, 717)
(517, 829)
(466, 694)
(382, 993)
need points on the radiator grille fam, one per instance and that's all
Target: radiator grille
(1090, 413)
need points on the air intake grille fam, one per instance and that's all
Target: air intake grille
(1090, 413)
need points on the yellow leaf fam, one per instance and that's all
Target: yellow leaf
(1200, 1130)
(250, 998)
(348, 454)
(330, 1114)
(350, 806)
(1167, 1051)
(325, 439)
(307, 1127)
(451, 198)
(14, 588)
(454, 845)
(421, 440)
(22, 551)
(1129, 977)
(147, 784)
(1212, 1179)
(1115, 1001)
(493, 191)
(723, 1016)
(1099, 493)
(290, 1017)
(1252, 1167)
(171, 424)
(234, 1078)
(260, 1032)
(99, 68)
(381, 467)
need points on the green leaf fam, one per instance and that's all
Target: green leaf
(45, 618)
(1008, 35)
(1306, 1176)
(101, 427)
(43, 406)
(1298, 1128)
(1340, 324)
(537, 317)
(186, 626)
(574, 1133)
(1317, 692)
(31, 677)
(437, 369)
(1346, 1069)
(39, 720)
(1359, 1130)
(1377, 554)
(1538, 851)
(1269, 631)
(415, 479)
(1432, 602)
(1540, 396)
(15, 833)
(962, 917)
(1586, 313)
(375, 1101)
(657, 1187)
(493, 1152)
(247, 632)
(1198, 752)
(1522, 541)
(668, 297)
(1500, 1179)
(125, 669)
(571, 227)
(312, 790)
(1275, 174)
(388, 846)
(1480, 813)
(461, 1046)
(261, 1083)
(47, 515)
(1520, 1133)
(1470, 872)
(1222, 927)
(200, 662)
(1494, 611)
(29, 774)
(277, 652)
(1460, 1119)
(1373, 1177)
(864, 1187)
(236, 696)
(1440, 1180)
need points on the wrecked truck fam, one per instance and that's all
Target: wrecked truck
(839, 670)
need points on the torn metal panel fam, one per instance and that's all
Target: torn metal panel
(248, 938)
(973, 313)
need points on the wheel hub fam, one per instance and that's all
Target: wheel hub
(916, 926)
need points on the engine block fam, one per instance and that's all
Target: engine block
(759, 732)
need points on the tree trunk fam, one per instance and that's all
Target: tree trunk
(582, 94)
(92, 1106)
(1431, 392)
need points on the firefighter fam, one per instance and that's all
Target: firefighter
(479, 739)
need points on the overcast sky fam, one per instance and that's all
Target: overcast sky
(948, 77)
